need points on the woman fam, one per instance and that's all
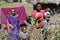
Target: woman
(38, 15)
(13, 26)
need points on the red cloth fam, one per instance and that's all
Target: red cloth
(41, 14)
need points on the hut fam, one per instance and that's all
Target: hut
(54, 5)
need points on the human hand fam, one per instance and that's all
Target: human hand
(11, 26)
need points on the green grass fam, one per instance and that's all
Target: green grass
(49, 33)
(57, 35)
(3, 4)
(56, 38)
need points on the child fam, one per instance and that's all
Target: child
(23, 34)
(47, 16)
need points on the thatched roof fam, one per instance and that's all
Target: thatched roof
(51, 1)
(48, 1)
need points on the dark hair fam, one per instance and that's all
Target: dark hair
(36, 6)
(38, 3)
(12, 8)
(13, 11)
(23, 28)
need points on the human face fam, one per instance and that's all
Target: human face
(13, 12)
(38, 6)
(48, 9)
(24, 30)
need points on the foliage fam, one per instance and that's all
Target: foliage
(57, 35)
(32, 24)
(49, 33)
(2, 4)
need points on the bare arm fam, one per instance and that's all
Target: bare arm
(8, 27)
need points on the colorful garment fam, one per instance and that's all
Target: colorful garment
(20, 11)
(36, 15)
(45, 24)
(48, 14)
(45, 21)
(14, 33)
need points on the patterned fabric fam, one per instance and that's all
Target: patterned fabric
(20, 11)
(14, 33)
(39, 20)
(45, 24)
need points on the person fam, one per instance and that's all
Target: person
(13, 26)
(38, 15)
(47, 16)
(23, 34)
(47, 12)
(50, 11)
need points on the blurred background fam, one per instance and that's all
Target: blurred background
(30, 5)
